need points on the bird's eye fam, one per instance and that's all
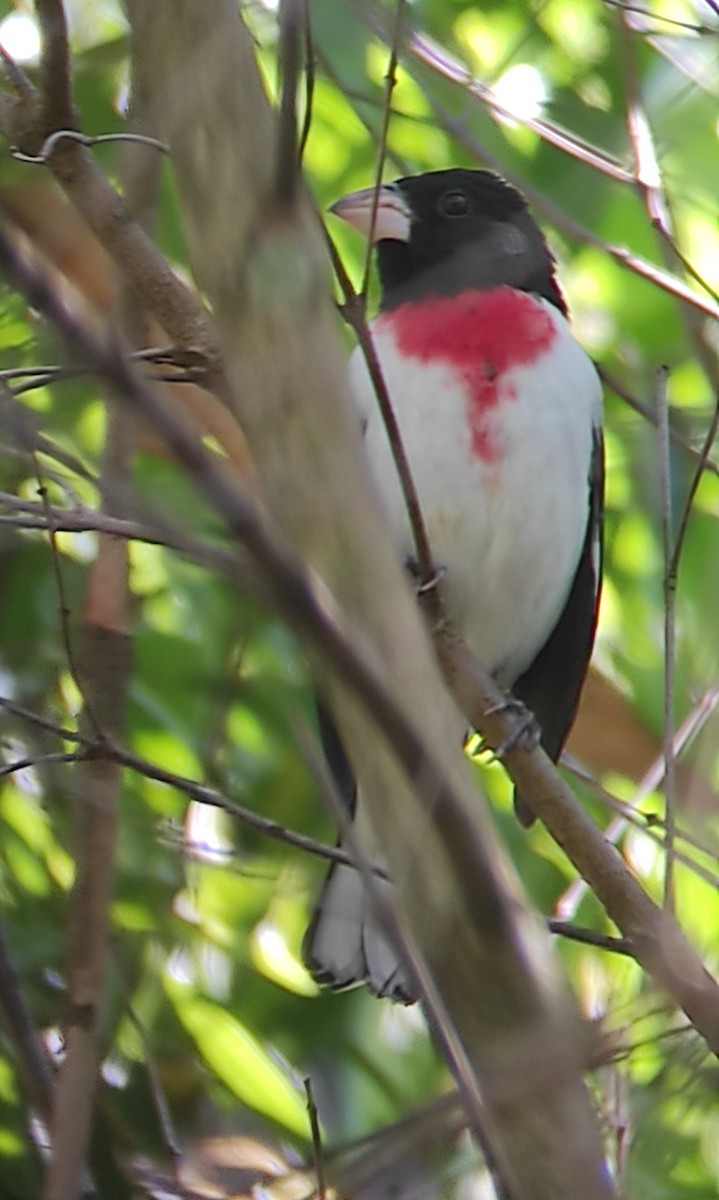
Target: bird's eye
(453, 204)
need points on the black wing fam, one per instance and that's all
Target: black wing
(551, 686)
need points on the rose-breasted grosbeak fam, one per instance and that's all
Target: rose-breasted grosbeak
(499, 411)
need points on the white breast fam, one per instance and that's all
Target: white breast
(508, 527)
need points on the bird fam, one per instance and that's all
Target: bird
(499, 410)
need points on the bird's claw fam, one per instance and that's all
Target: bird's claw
(526, 732)
(423, 586)
(429, 585)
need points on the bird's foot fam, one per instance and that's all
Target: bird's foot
(421, 585)
(526, 732)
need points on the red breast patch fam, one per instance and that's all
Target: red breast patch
(481, 335)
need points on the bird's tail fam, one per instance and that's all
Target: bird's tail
(348, 943)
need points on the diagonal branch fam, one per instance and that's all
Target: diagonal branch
(470, 893)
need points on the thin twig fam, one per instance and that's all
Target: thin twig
(443, 63)
(629, 813)
(28, 1049)
(353, 311)
(317, 1149)
(85, 521)
(645, 410)
(83, 139)
(46, 723)
(703, 458)
(367, 100)
(52, 371)
(195, 791)
(64, 610)
(649, 824)
(656, 203)
(22, 425)
(590, 937)
(18, 80)
(172, 302)
(652, 16)
(157, 1093)
(33, 761)
(569, 225)
(390, 84)
(56, 107)
(686, 264)
(310, 63)
(421, 980)
(293, 24)
(670, 586)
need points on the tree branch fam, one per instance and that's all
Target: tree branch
(262, 272)
(455, 901)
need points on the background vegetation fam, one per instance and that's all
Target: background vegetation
(606, 115)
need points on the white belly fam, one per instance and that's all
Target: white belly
(505, 509)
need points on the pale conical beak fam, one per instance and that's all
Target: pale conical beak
(392, 219)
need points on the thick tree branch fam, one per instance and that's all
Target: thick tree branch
(27, 123)
(657, 941)
(460, 907)
(261, 269)
(103, 678)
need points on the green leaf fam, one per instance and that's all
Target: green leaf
(236, 1057)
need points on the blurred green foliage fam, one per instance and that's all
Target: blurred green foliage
(206, 992)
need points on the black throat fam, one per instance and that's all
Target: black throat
(478, 265)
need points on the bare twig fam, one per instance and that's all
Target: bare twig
(82, 521)
(33, 761)
(64, 610)
(23, 428)
(650, 826)
(18, 80)
(83, 139)
(32, 1061)
(358, 1166)
(354, 313)
(422, 982)
(390, 84)
(655, 16)
(623, 898)
(293, 26)
(194, 791)
(426, 50)
(56, 107)
(645, 410)
(678, 256)
(573, 228)
(102, 681)
(159, 1101)
(629, 813)
(317, 1149)
(171, 302)
(19, 429)
(310, 63)
(670, 585)
(703, 458)
(368, 100)
(590, 937)
(649, 183)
